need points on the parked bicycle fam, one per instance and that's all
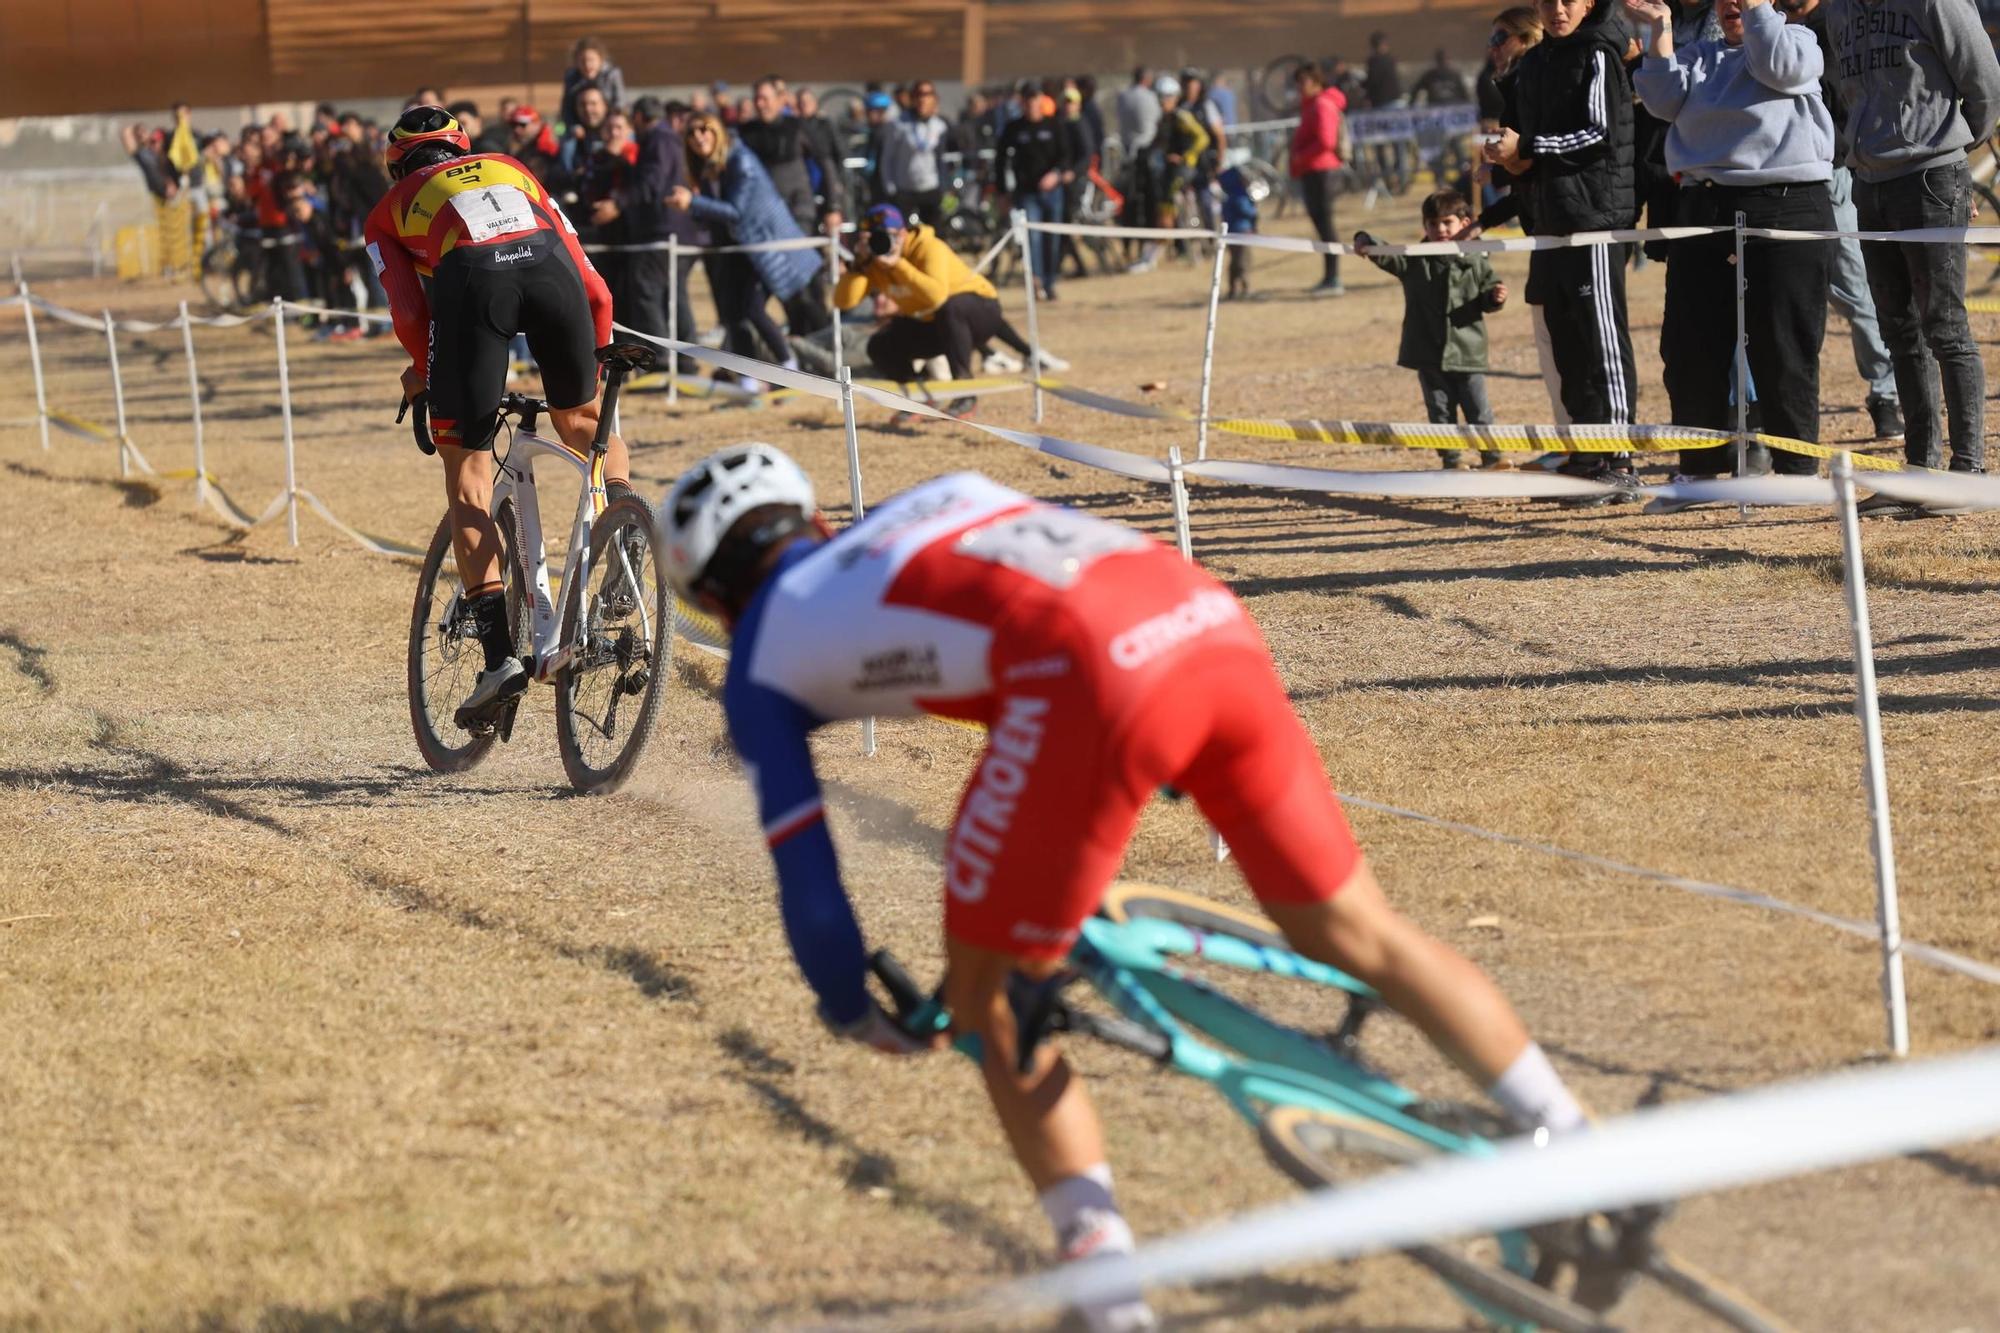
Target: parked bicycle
(607, 651)
(1324, 1114)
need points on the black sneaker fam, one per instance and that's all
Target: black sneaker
(1885, 506)
(1622, 488)
(962, 407)
(1887, 414)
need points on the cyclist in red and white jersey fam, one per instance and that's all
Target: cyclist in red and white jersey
(472, 250)
(1104, 667)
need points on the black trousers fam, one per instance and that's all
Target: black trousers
(806, 309)
(961, 324)
(1582, 295)
(1784, 318)
(925, 206)
(1317, 187)
(643, 302)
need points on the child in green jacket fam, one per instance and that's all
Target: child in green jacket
(1445, 302)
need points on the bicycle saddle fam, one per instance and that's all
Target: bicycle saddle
(627, 357)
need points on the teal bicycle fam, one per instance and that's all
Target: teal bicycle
(1324, 1115)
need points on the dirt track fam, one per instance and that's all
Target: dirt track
(300, 1036)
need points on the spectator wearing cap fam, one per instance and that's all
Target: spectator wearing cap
(877, 110)
(534, 145)
(913, 146)
(590, 67)
(1083, 147)
(1034, 162)
(148, 153)
(1922, 87)
(1315, 158)
(1747, 134)
(642, 203)
(941, 307)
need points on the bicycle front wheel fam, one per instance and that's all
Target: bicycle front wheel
(620, 635)
(445, 656)
(1329, 1150)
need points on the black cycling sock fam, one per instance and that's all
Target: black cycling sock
(496, 637)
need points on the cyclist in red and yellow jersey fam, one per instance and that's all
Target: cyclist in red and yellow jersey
(472, 250)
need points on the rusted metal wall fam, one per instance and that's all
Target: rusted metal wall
(62, 57)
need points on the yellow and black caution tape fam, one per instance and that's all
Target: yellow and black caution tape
(1423, 435)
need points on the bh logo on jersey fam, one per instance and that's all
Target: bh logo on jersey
(996, 792)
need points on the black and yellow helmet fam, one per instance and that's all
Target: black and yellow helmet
(424, 135)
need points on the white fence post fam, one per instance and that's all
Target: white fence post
(1742, 367)
(194, 404)
(1208, 345)
(1874, 776)
(833, 281)
(117, 394)
(1034, 332)
(35, 361)
(673, 319)
(1177, 479)
(846, 377)
(285, 409)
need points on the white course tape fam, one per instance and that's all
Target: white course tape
(1650, 1155)
(1971, 490)
(1135, 466)
(1427, 485)
(328, 312)
(1867, 930)
(756, 247)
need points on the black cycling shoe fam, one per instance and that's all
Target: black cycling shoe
(1623, 489)
(1607, 1251)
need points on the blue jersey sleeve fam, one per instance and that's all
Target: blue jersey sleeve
(769, 730)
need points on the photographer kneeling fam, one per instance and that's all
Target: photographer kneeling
(942, 308)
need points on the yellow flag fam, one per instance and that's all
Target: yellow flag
(182, 150)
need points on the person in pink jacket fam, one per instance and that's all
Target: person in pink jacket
(1315, 157)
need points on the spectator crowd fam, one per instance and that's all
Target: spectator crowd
(1594, 115)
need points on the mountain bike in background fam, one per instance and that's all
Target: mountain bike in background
(606, 649)
(1328, 1116)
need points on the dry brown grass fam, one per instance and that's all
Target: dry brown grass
(300, 1037)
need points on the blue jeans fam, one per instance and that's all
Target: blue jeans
(1044, 247)
(1448, 394)
(1847, 290)
(1919, 295)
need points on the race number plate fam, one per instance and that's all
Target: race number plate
(493, 210)
(1052, 545)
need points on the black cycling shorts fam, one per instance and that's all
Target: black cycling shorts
(481, 296)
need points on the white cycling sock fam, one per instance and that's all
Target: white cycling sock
(1069, 1198)
(1533, 1094)
(1088, 1225)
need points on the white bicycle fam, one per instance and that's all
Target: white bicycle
(610, 647)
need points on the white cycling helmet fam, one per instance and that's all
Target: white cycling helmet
(1166, 86)
(710, 496)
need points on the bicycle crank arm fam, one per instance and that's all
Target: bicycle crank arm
(505, 723)
(1709, 1295)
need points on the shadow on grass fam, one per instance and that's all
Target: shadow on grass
(137, 494)
(865, 1169)
(594, 1302)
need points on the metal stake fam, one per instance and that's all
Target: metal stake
(1034, 332)
(117, 394)
(846, 377)
(673, 319)
(1208, 345)
(194, 402)
(1742, 368)
(285, 409)
(1874, 775)
(35, 360)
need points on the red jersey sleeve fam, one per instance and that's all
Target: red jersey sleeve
(593, 282)
(398, 272)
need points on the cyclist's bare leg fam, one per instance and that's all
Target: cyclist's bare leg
(475, 540)
(1046, 1113)
(578, 427)
(1445, 994)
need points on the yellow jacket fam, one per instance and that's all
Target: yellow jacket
(925, 276)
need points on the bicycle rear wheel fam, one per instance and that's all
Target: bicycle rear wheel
(1129, 901)
(1325, 1150)
(608, 696)
(444, 654)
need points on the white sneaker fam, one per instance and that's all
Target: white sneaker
(1050, 361)
(937, 368)
(493, 687)
(1096, 1235)
(1143, 265)
(1002, 362)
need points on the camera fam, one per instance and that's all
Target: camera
(879, 243)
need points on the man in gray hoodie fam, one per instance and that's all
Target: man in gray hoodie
(1921, 86)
